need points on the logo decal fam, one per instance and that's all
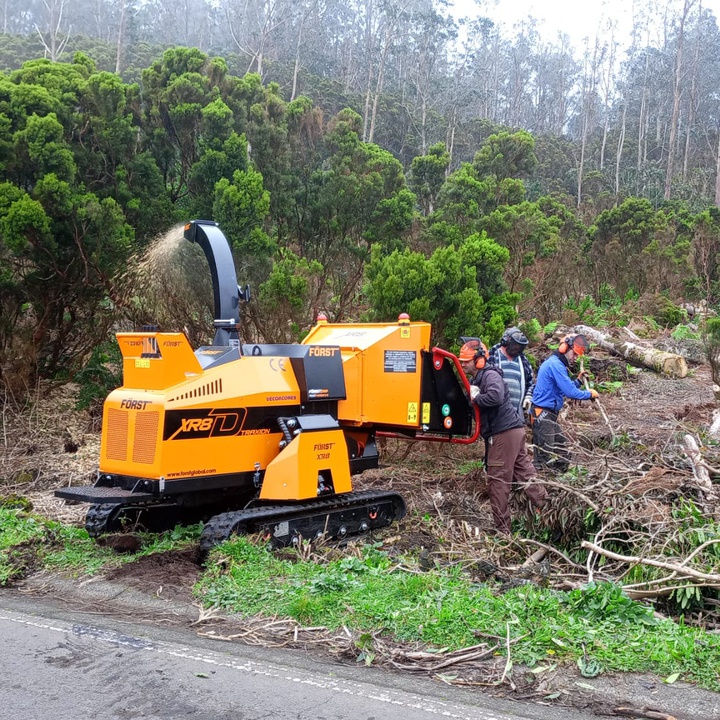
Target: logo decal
(196, 424)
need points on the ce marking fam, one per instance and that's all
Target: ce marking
(277, 364)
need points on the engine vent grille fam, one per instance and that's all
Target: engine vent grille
(211, 388)
(146, 430)
(117, 434)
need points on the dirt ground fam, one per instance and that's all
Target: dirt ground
(54, 446)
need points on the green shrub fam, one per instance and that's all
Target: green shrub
(101, 374)
(532, 330)
(685, 332)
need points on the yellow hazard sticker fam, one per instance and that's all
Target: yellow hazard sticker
(404, 332)
(412, 414)
(142, 362)
(426, 413)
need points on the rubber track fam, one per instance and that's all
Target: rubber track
(99, 517)
(221, 527)
(108, 517)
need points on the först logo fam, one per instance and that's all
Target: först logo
(172, 343)
(323, 446)
(322, 450)
(134, 404)
(316, 351)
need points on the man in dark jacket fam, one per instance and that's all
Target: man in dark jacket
(503, 429)
(553, 385)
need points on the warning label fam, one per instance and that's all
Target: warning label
(426, 413)
(412, 415)
(400, 361)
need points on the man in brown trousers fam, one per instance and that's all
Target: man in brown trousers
(503, 429)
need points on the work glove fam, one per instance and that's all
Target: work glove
(582, 376)
(474, 391)
(527, 402)
(594, 394)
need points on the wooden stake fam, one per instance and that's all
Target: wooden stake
(598, 403)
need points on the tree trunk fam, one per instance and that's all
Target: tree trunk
(677, 94)
(657, 360)
(692, 105)
(717, 175)
(296, 68)
(120, 39)
(618, 157)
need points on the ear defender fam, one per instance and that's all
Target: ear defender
(475, 351)
(481, 357)
(565, 345)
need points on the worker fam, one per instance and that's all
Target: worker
(503, 429)
(552, 386)
(508, 355)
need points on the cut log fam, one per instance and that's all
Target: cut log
(663, 362)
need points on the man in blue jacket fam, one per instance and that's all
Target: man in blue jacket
(552, 386)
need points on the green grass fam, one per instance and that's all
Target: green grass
(597, 626)
(445, 609)
(28, 540)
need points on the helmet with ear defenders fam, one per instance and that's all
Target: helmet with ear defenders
(577, 343)
(514, 335)
(475, 351)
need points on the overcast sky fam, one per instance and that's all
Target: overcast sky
(577, 18)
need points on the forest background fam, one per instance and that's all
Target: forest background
(364, 158)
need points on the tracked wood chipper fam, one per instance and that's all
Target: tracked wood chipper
(265, 438)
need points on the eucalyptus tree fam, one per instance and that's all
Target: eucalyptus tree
(425, 65)
(472, 90)
(171, 22)
(253, 29)
(52, 27)
(679, 70)
(553, 75)
(20, 16)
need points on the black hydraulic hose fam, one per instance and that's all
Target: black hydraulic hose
(282, 424)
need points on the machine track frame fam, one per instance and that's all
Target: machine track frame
(335, 517)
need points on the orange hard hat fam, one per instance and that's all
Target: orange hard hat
(468, 350)
(471, 349)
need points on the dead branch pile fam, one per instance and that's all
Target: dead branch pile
(478, 664)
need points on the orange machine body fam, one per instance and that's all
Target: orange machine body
(383, 371)
(287, 422)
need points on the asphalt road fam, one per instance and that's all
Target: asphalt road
(61, 665)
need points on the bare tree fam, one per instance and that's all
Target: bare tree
(677, 94)
(54, 39)
(618, 155)
(608, 84)
(587, 105)
(251, 24)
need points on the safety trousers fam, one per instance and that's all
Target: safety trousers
(508, 462)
